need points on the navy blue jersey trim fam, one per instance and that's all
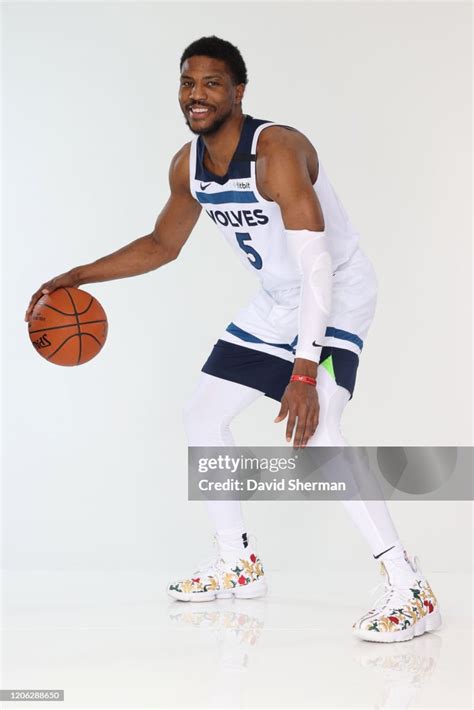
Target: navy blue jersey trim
(242, 157)
(330, 333)
(344, 335)
(240, 164)
(221, 198)
(249, 338)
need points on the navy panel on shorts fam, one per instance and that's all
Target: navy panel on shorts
(345, 363)
(267, 373)
(270, 374)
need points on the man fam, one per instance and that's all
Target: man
(299, 339)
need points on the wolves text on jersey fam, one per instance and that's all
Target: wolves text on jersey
(238, 218)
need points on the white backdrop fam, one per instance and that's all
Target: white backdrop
(95, 474)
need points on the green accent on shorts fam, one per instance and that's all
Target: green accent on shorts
(328, 364)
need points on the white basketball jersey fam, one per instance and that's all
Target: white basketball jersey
(252, 225)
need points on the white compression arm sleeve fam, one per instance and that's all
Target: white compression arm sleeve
(310, 252)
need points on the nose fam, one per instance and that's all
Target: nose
(198, 92)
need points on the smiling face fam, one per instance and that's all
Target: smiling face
(208, 95)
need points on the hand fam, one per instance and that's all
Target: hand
(299, 401)
(70, 278)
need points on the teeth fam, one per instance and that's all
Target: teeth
(199, 110)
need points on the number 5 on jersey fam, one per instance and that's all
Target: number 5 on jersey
(252, 255)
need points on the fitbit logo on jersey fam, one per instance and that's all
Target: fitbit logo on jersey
(238, 218)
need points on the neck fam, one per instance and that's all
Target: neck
(220, 146)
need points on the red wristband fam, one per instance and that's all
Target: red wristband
(303, 378)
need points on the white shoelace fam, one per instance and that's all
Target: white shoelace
(213, 564)
(207, 567)
(394, 596)
(210, 566)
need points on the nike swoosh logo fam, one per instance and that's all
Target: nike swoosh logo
(204, 187)
(316, 345)
(376, 557)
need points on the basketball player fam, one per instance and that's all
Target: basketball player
(298, 341)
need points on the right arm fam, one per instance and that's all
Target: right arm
(172, 229)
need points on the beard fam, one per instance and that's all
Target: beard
(209, 130)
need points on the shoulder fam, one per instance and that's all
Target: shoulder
(179, 168)
(180, 160)
(283, 139)
(283, 155)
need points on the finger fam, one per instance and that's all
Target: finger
(304, 436)
(300, 429)
(283, 411)
(309, 430)
(45, 289)
(290, 425)
(31, 304)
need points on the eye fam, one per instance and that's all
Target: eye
(185, 83)
(213, 83)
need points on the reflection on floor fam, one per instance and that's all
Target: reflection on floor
(116, 640)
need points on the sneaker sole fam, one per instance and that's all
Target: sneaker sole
(430, 622)
(248, 591)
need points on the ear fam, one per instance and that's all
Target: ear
(239, 93)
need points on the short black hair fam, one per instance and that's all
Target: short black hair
(218, 48)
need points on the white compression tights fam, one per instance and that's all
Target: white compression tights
(208, 414)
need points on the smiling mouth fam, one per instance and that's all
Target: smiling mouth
(199, 111)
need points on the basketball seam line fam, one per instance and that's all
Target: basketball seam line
(78, 325)
(70, 325)
(64, 313)
(74, 335)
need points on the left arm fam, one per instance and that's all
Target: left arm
(286, 169)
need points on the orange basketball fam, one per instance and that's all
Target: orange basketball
(68, 326)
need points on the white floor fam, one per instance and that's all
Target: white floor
(116, 641)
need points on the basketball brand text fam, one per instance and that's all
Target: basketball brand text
(42, 342)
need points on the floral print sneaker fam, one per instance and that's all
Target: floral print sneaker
(240, 575)
(407, 607)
